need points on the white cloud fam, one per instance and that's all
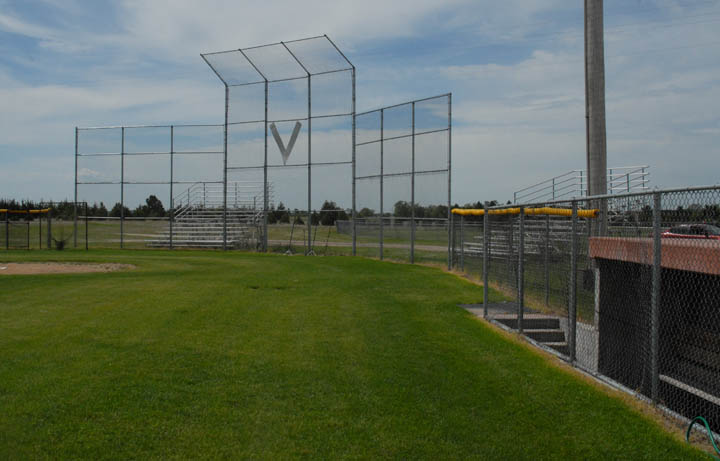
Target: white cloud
(519, 117)
(17, 26)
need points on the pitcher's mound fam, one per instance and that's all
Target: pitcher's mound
(59, 268)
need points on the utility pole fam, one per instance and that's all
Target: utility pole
(595, 109)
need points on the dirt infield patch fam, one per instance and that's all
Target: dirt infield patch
(59, 268)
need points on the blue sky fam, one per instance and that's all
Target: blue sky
(515, 69)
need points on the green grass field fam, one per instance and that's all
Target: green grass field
(237, 355)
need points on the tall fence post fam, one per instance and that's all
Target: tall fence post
(486, 258)
(655, 297)
(172, 199)
(412, 190)
(449, 159)
(354, 166)
(310, 243)
(40, 231)
(462, 243)
(266, 190)
(122, 186)
(521, 270)
(225, 170)
(382, 183)
(75, 224)
(7, 229)
(546, 264)
(572, 302)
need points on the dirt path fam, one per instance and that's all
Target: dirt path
(59, 268)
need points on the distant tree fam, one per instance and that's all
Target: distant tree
(279, 215)
(285, 214)
(331, 213)
(101, 210)
(402, 209)
(155, 207)
(298, 219)
(272, 219)
(115, 211)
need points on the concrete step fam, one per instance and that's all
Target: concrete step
(531, 322)
(539, 327)
(561, 347)
(545, 335)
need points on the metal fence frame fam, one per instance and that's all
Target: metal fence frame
(413, 173)
(227, 78)
(122, 154)
(652, 208)
(248, 67)
(24, 222)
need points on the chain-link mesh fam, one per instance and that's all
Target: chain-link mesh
(624, 286)
(18, 234)
(467, 239)
(402, 182)
(688, 331)
(48, 225)
(290, 125)
(25, 228)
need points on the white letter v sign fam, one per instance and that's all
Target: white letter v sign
(285, 151)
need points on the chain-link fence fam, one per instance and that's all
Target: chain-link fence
(50, 225)
(625, 287)
(15, 235)
(402, 177)
(291, 139)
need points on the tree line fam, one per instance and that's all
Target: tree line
(327, 216)
(65, 209)
(153, 207)
(329, 213)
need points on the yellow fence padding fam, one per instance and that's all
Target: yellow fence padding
(24, 211)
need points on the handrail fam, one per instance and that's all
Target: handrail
(243, 195)
(548, 211)
(625, 179)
